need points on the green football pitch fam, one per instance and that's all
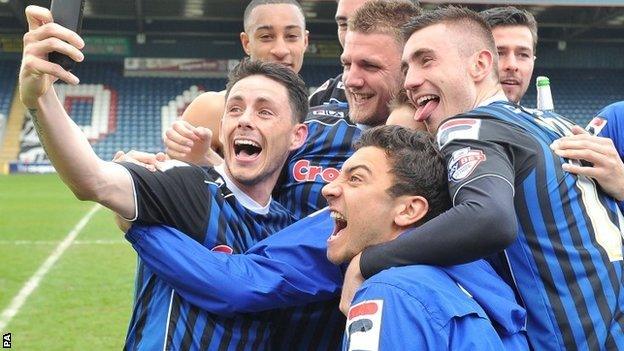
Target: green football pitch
(83, 299)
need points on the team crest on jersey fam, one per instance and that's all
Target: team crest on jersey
(364, 325)
(223, 248)
(303, 171)
(460, 128)
(463, 162)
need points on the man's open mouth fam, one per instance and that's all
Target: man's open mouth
(425, 106)
(246, 149)
(340, 223)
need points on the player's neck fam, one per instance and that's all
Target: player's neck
(259, 191)
(488, 93)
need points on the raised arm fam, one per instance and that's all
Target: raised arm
(85, 174)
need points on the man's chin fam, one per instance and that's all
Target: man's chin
(362, 117)
(334, 258)
(244, 176)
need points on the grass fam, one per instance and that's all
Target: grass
(85, 300)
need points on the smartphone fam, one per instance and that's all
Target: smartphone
(67, 13)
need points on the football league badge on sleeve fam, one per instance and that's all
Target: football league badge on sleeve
(463, 162)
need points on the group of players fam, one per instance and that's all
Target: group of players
(495, 238)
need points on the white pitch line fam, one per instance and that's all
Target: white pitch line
(33, 282)
(56, 242)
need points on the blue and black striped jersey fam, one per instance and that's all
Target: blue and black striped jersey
(222, 219)
(318, 160)
(308, 170)
(566, 262)
(329, 92)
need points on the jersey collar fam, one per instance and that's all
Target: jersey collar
(243, 198)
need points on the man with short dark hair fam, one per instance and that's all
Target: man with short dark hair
(515, 35)
(557, 237)
(274, 31)
(396, 180)
(228, 208)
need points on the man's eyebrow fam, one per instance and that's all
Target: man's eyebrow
(264, 100)
(352, 169)
(265, 27)
(340, 18)
(420, 53)
(270, 27)
(236, 97)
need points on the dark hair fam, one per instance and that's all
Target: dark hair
(466, 20)
(383, 16)
(297, 91)
(415, 162)
(255, 3)
(511, 16)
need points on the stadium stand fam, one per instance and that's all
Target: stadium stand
(580, 93)
(8, 79)
(124, 113)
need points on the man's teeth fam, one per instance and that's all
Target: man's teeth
(424, 99)
(337, 215)
(246, 142)
(359, 96)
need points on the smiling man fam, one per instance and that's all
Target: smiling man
(554, 236)
(226, 208)
(396, 180)
(274, 31)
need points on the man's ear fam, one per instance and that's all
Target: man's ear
(299, 136)
(244, 38)
(306, 35)
(482, 65)
(410, 210)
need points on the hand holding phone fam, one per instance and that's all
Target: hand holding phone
(67, 13)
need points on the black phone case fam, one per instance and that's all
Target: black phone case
(67, 13)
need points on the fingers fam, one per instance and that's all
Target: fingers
(119, 156)
(42, 48)
(203, 133)
(35, 66)
(584, 141)
(580, 154)
(175, 146)
(43, 40)
(53, 30)
(176, 155)
(581, 170)
(185, 129)
(143, 159)
(577, 130)
(37, 16)
(162, 157)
